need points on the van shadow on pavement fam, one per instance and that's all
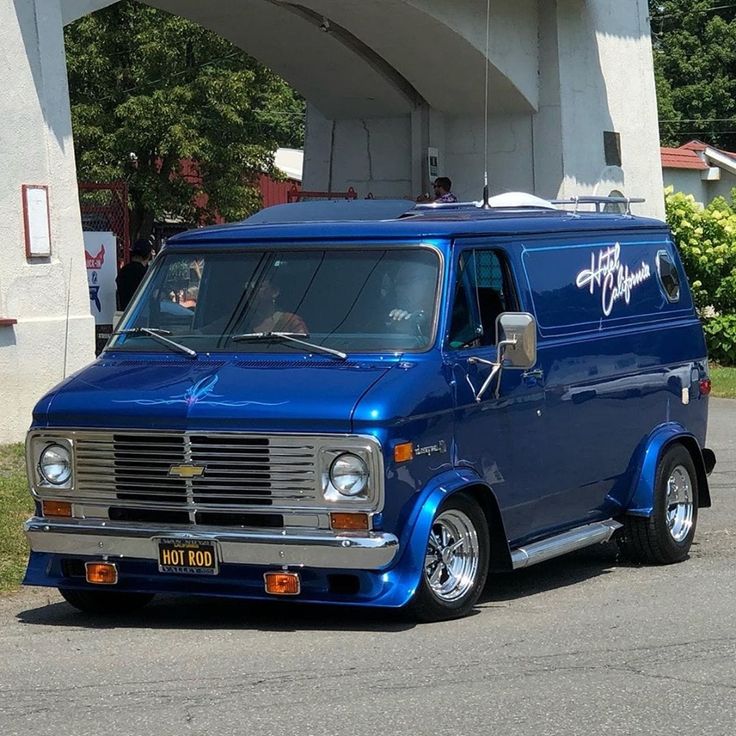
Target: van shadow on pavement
(560, 572)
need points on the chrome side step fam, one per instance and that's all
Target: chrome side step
(582, 536)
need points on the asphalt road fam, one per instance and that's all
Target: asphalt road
(580, 645)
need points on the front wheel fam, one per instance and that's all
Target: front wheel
(666, 536)
(455, 562)
(105, 602)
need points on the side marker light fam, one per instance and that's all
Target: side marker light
(403, 452)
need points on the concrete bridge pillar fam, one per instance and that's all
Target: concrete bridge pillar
(586, 125)
(47, 296)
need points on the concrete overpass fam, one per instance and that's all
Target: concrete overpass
(572, 111)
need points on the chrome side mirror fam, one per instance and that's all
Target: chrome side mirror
(517, 340)
(516, 347)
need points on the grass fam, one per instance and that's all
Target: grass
(724, 382)
(15, 507)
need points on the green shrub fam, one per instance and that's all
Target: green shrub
(706, 239)
(720, 334)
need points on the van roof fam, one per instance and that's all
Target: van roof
(416, 224)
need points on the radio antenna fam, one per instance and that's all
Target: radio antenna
(486, 194)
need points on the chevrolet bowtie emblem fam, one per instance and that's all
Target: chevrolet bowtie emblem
(187, 471)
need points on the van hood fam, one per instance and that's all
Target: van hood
(309, 395)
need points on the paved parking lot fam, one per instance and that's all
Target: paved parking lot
(581, 645)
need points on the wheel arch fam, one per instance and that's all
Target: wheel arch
(664, 437)
(415, 533)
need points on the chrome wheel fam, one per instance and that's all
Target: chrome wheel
(453, 556)
(679, 503)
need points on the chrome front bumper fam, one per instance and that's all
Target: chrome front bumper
(293, 547)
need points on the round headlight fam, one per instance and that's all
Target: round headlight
(55, 465)
(349, 474)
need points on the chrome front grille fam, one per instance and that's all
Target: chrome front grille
(206, 478)
(238, 471)
(253, 470)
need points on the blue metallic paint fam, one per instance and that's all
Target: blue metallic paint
(441, 227)
(411, 403)
(229, 392)
(233, 581)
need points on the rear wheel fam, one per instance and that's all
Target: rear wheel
(105, 602)
(666, 536)
(455, 562)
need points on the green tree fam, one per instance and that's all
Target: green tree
(695, 69)
(149, 89)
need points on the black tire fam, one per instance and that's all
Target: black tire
(459, 516)
(105, 602)
(666, 536)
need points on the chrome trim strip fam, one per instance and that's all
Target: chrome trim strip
(287, 547)
(569, 541)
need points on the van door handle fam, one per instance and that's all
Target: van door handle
(537, 374)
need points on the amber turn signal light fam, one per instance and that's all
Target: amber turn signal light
(403, 452)
(349, 522)
(282, 583)
(56, 508)
(101, 573)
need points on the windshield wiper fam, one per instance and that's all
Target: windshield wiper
(158, 335)
(293, 337)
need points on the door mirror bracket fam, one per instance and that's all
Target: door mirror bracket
(516, 348)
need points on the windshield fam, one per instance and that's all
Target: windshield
(350, 300)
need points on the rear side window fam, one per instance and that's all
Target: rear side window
(668, 277)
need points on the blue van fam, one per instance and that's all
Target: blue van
(378, 412)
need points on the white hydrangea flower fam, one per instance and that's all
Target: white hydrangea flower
(709, 312)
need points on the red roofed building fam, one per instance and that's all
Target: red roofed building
(699, 169)
(289, 161)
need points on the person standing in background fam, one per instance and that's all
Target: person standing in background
(442, 192)
(132, 273)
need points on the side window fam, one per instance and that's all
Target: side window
(668, 277)
(482, 292)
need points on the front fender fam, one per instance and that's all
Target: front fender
(642, 499)
(403, 578)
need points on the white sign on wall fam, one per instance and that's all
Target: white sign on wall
(36, 220)
(100, 253)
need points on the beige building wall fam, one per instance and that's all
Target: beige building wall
(691, 181)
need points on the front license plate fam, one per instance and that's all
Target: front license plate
(192, 556)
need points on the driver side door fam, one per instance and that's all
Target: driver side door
(499, 433)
